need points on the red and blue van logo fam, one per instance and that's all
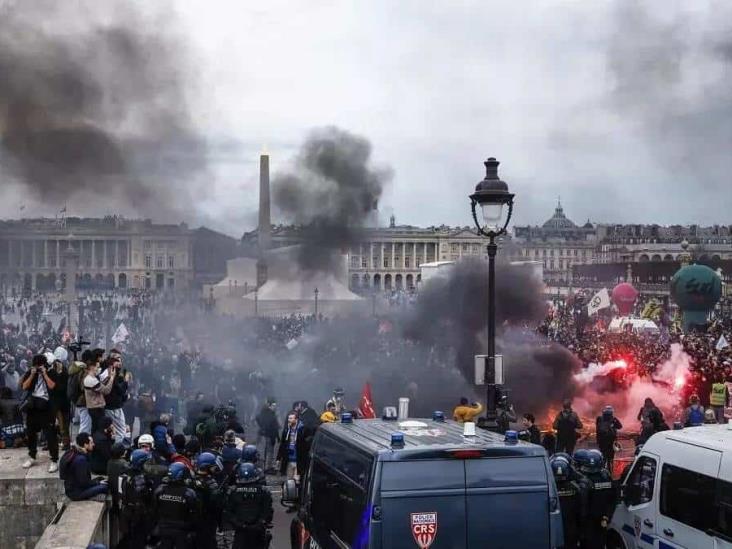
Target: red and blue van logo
(424, 529)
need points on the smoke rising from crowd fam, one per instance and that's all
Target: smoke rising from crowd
(93, 108)
(331, 192)
(596, 389)
(453, 312)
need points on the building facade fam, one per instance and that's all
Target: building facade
(559, 244)
(113, 253)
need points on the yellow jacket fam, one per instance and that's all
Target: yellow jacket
(462, 414)
(327, 417)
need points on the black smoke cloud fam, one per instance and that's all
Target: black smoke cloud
(453, 312)
(672, 80)
(331, 193)
(92, 106)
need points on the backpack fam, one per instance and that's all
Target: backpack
(606, 431)
(696, 416)
(73, 387)
(64, 464)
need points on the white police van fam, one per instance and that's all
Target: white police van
(678, 492)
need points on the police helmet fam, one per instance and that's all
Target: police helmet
(608, 411)
(247, 473)
(581, 458)
(566, 456)
(595, 461)
(209, 462)
(560, 467)
(138, 458)
(250, 454)
(145, 439)
(178, 472)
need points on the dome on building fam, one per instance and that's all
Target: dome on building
(588, 225)
(559, 220)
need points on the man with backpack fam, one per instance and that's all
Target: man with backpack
(567, 424)
(607, 427)
(74, 470)
(75, 390)
(694, 414)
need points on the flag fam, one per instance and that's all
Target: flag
(366, 406)
(120, 334)
(63, 210)
(22, 207)
(601, 300)
(722, 343)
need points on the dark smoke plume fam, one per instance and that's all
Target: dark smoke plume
(92, 106)
(453, 312)
(673, 80)
(331, 194)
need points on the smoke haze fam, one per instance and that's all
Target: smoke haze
(331, 192)
(93, 108)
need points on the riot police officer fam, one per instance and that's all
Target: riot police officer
(248, 509)
(209, 493)
(572, 499)
(601, 497)
(136, 497)
(176, 508)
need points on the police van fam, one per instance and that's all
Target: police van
(678, 492)
(379, 484)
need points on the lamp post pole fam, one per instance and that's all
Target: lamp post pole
(316, 303)
(491, 194)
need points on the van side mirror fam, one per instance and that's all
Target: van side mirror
(290, 493)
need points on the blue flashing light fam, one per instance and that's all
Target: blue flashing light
(346, 417)
(397, 440)
(438, 416)
(511, 437)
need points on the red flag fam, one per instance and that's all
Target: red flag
(366, 406)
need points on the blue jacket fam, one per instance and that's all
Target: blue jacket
(76, 473)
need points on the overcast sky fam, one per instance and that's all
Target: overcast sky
(624, 111)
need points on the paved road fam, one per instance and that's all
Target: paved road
(282, 519)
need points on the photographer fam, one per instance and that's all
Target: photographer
(96, 390)
(118, 395)
(38, 382)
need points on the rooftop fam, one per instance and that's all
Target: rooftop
(420, 435)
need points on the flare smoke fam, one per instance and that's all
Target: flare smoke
(331, 193)
(92, 106)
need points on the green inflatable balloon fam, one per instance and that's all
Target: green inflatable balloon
(696, 289)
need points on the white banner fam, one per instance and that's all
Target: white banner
(722, 343)
(601, 300)
(120, 334)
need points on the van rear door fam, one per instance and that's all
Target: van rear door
(507, 503)
(423, 504)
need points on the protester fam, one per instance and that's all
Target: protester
(95, 390)
(291, 447)
(464, 412)
(76, 473)
(268, 434)
(329, 416)
(528, 421)
(694, 413)
(718, 398)
(117, 397)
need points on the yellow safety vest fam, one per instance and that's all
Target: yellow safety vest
(716, 397)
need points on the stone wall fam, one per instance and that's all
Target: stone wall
(29, 499)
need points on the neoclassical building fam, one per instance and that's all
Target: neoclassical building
(113, 253)
(559, 244)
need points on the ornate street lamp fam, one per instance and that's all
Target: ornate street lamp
(496, 205)
(315, 292)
